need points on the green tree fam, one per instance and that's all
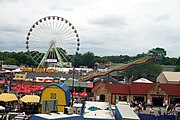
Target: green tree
(177, 69)
(77, 60)
(147, 70)
(88, 59)
(11, 61)
(141, 55)
(101, 59)
(169, 61)
(178, 61)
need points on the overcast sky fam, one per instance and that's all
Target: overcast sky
(105, 27)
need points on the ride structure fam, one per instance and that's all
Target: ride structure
(50, 39)
(117, 68)
(157, 53)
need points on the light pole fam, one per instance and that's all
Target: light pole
(73, 84)
(73, 75)
(78, 44)
(1, 64)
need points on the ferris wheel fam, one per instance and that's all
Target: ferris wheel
(50, 40)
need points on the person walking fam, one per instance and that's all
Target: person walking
(159, 111)
(151, 110)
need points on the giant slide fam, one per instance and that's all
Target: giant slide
(116, 68)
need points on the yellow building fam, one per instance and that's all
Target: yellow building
(56, 91)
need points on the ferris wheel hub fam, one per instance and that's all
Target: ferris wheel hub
(52, 42)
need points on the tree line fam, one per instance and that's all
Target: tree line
(149, 70)
(87, 59)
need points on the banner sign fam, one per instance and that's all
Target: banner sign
(20, 76)
(39, 70)
(79, 84)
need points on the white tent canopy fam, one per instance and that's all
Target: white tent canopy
(2, 108)
(143, 80)
(62, 78)
(17, 70)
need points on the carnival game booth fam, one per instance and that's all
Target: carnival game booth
(57, 92)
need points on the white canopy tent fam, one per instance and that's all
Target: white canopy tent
(2, 108)
(143, 80)
(17, 70)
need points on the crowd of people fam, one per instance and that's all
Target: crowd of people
(142, 107)
(171, 109)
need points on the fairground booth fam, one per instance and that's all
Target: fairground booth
(55, 97)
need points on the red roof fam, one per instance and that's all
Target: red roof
(118, 88)
(114, 88)
(97, 85)
(140, 88)
(171, 89)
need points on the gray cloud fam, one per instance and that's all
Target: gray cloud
(12, 44)
(90, 41)
(105, 27)
(109, 21)
(7, 28)
(57, 7)
(163, 17)
(8, 1)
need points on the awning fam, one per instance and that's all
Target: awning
(84, 94)
(8, 97)
(30, 99)
(75, 94)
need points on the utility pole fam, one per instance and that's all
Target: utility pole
(72, 84)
